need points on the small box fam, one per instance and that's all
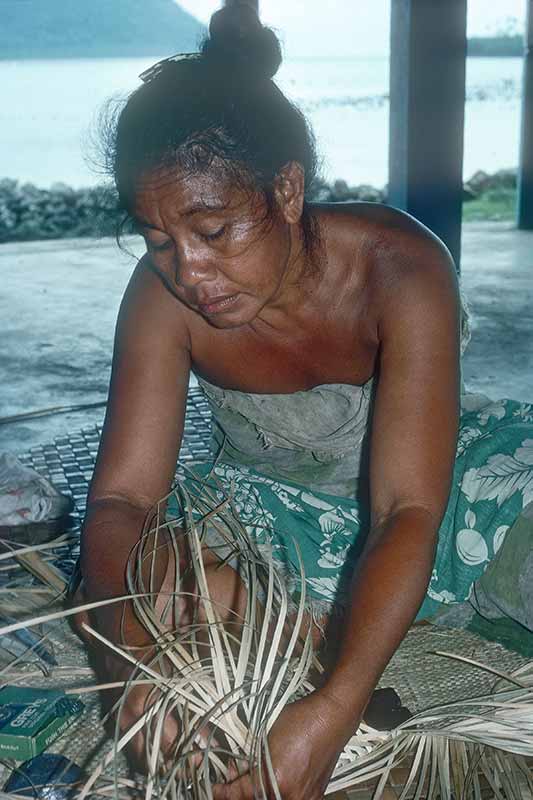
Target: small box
(31, 719)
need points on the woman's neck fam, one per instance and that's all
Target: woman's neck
(297, 300)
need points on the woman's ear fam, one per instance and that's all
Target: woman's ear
(289, 191)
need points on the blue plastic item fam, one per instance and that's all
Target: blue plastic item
(46, 777)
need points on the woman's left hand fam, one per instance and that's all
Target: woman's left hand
(305, 743)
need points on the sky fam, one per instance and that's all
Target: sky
(351, 27)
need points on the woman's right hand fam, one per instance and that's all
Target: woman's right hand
(111, 668)
(118, 624)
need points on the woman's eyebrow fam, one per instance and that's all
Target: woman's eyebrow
(189, 211)
(142, 223)
(197, 208)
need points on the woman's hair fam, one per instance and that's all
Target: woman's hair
(215, 109)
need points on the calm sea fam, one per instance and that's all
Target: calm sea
(49, 108)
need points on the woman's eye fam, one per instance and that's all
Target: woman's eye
(210, 237)
(159, 247)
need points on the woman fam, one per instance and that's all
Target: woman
(328, 340)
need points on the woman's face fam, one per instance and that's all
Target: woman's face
(216, 247)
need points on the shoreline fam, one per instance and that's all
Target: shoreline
(504, 45)
(28, 213)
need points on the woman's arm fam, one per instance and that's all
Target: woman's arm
(134, 469)
(413, 442)
(141, 436)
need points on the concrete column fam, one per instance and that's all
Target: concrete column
(525, 170)
(427, 102)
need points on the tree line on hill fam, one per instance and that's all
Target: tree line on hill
(96, 29)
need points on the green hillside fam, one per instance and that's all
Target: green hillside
(95, 28)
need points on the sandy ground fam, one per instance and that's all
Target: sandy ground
(59, 301)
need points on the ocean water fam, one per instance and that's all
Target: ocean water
(49, 111)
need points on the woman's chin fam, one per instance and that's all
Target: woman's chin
(227, 321)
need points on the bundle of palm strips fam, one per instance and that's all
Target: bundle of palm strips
(226, 680)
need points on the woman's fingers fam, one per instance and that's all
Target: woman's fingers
(240, 789)
(81, 618)
(233, 772)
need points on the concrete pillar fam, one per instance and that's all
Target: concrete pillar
(427, 102)
(525, 170)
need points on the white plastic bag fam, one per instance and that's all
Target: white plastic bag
(25, 496)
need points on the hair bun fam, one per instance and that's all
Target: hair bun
(238, 41)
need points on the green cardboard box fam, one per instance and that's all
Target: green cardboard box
(31, 719)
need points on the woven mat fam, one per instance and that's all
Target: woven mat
(424, 679)
(69, 460)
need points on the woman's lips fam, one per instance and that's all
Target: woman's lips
(216, 305)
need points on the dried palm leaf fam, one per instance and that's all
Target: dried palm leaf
(237, 691)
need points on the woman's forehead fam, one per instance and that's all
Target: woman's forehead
(183, 193)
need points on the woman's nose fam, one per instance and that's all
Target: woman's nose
(193, 265)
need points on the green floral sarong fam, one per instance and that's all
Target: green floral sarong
(492, 483)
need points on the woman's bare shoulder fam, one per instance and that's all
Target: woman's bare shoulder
(382, 231)
(149, 310)
(389, 247)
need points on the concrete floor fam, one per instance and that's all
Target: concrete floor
(497, 279)
(59, 302)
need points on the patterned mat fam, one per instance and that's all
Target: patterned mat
(69, 461)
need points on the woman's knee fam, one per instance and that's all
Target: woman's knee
(226, 593)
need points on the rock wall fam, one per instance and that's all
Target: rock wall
(28, 213)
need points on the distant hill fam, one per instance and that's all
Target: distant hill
(95, 28)
(496, 46)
